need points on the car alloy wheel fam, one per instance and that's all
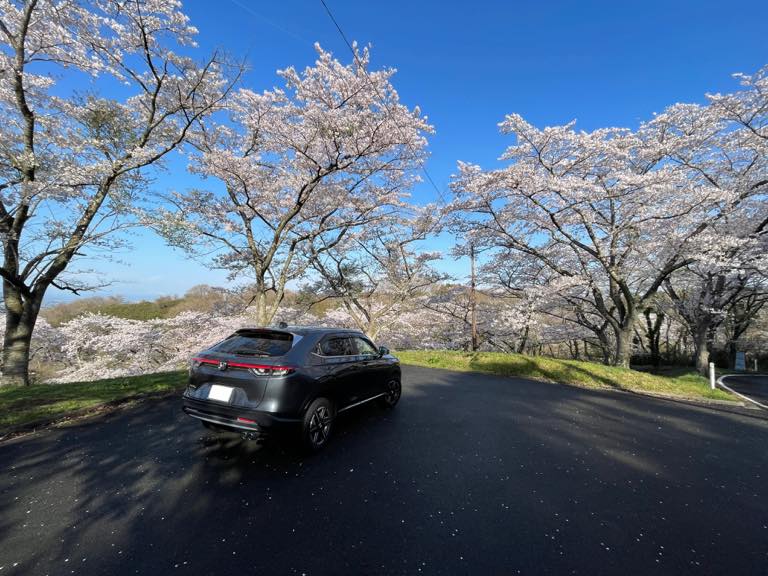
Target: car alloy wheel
(392, 395)
(318, 423)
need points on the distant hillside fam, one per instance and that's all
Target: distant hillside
(113, 306)
(201, 298)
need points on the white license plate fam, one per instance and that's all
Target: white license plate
(220, 393)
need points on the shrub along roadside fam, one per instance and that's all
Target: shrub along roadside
(45, 403)
(586, 374)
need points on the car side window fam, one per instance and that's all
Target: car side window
(365, 348)
(338, 346)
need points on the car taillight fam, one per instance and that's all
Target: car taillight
(271, 370)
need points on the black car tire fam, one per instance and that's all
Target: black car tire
(317, 424)
(392, 395)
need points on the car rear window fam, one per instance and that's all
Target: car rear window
(259, 344)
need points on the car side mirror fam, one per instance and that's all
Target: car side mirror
(383, 350)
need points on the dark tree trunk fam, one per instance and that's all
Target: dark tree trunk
(523, 341)
(623, 346)
(603, 344)
(653, 334)
(16, 348)
(700, 350)
(20, 318)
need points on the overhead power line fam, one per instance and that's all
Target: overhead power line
(272, 23)
(370, 81)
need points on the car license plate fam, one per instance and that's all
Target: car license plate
(220, 393)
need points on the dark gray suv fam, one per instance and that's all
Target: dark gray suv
(259, 380)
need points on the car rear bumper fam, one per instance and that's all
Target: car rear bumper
(255, 423)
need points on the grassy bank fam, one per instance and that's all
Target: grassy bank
(50, 402)
(587, 374)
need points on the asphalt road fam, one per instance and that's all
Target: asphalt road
(754, 386)
(470, 474)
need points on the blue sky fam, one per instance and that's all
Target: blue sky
(466, 65)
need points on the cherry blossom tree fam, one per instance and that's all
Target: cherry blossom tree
(618, 212)
(723, 146)
(331, 151)
(502, 322)
(569, 201)
(378, 272)
(744, 314)
(705, 297)
(537, 297)
(72, 166)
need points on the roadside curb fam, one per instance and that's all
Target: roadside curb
(697, 401)
(80, 415)
(721, 382)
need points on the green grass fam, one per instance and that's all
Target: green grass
(48, 402)
(687, 385)
(144, 310)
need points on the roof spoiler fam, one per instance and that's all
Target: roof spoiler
(282, 334)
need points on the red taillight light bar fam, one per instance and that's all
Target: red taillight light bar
(258, 369)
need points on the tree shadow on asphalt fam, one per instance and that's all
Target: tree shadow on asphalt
(148, 489)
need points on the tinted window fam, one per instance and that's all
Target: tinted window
(256, 344)
(337, 347)
(365, 348)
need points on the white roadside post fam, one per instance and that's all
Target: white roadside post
(712, 375)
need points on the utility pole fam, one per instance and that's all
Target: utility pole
(473, 298)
